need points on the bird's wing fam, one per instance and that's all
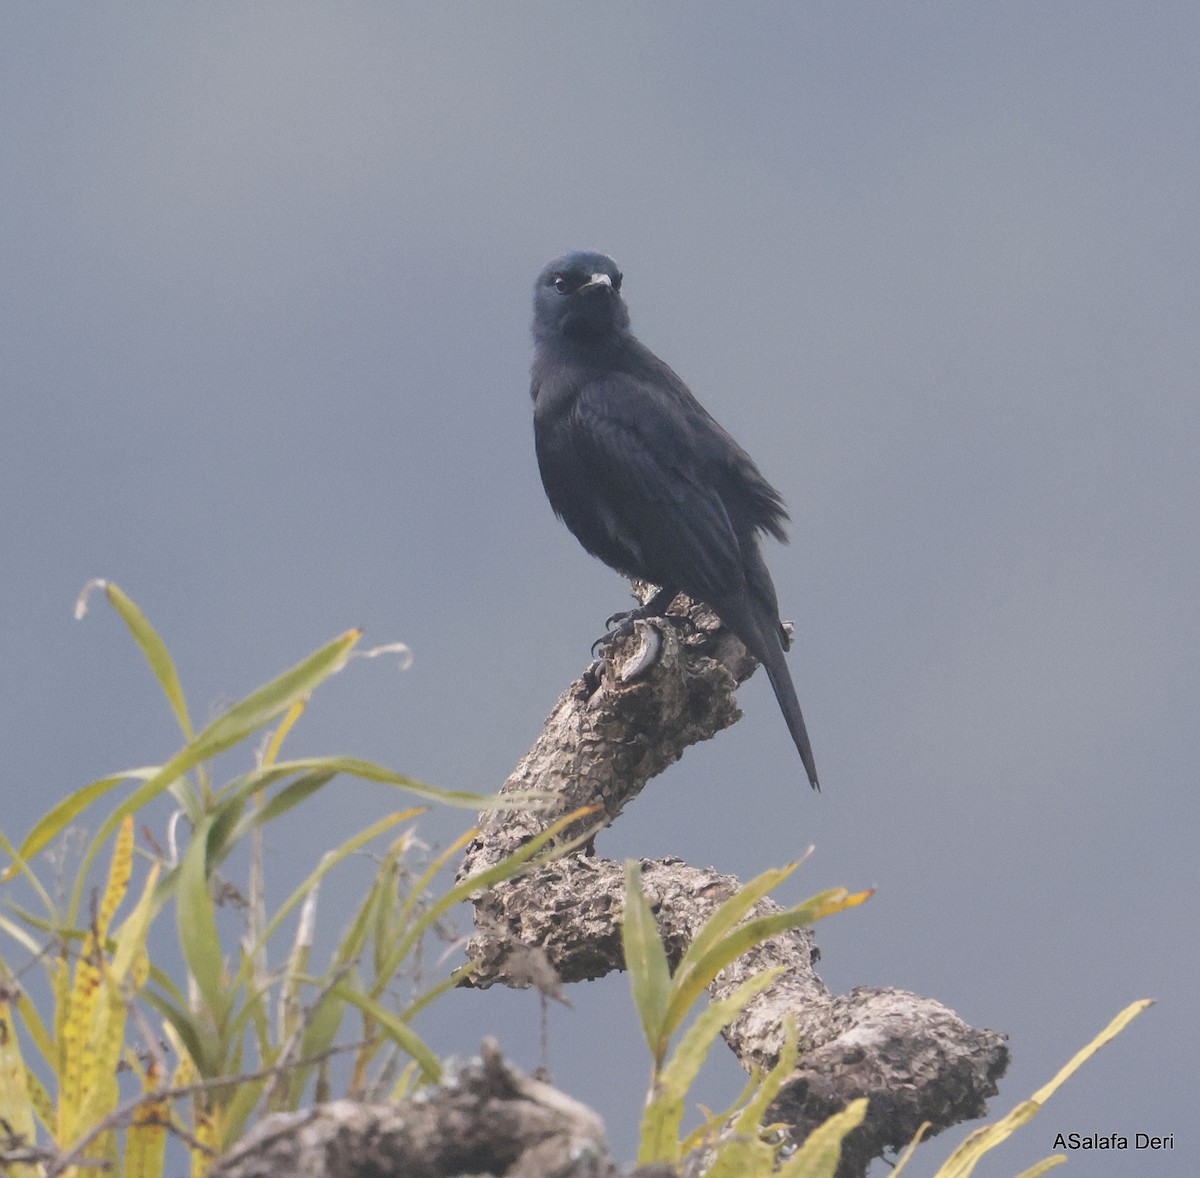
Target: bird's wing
(751, 500)
(637, 490)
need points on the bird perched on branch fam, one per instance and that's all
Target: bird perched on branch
(642, 475)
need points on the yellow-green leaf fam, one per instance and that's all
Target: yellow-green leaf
(750, 1119)
(1114, 1028)
(130, 938)
(742, 1157)
(911, 1148)
(119, 872)
(279, 735)
(36, 1028)
(146, 1141)
(1044, 1166)
(818, 1157)
(646, 960)
(961, 1163)
(16, 1107)
(729, 913)
(663, 1116)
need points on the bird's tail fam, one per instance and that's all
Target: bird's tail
(772, 658)
(754, 618)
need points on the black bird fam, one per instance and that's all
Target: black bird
(642, 475)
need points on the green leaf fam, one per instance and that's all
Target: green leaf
(59, 817)
(714, 1122)
(260, 707)
(730, 913)
(197, 924)
(330, 860)
(251, 1013)
(35, 1027)
(166, 984)
(750, 1120)
(663, 1116)
(457, 978)
(353, 940)
(369, 771)
(646, 960)
(324, 1022)
(291, 795)
(385, 929)
(396, 1028)
(223, 822)
(418, 892)
(257, 710)
(194, 1039)
(746, 936)
(157, 655)
(237, 1112)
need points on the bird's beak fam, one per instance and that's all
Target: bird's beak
(598, 280)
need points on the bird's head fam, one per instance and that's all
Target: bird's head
(578, 296)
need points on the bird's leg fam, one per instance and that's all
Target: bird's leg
(656, 607)
(621, 625)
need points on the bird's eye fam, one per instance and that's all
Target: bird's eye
(561, 284)
(617, 281)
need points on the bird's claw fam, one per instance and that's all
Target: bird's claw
(622, 625)
(634, 662)
(618, 626)
(623, 621)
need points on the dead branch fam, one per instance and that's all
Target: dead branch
(609, 733)
(493, 1119)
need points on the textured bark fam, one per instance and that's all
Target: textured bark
(608, 734)
(620, 725)
(492, 1120)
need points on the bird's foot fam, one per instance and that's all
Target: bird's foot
(622, 625)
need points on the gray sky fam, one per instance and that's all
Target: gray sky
(264, 363)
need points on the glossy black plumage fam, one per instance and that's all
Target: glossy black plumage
(641, 473)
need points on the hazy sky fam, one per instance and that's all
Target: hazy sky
(264, 363)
